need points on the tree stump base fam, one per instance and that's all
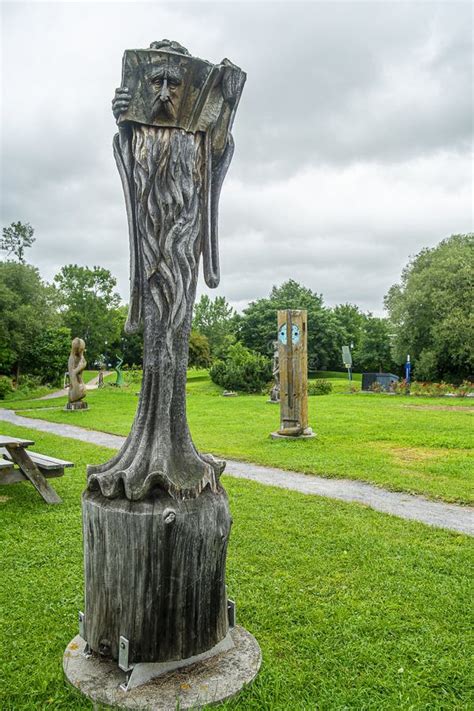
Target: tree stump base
(278, 435)
(155, 575)
(77, 405)
(208, 682)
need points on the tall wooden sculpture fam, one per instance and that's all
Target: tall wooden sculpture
(156, 518)
(76, 366)
(293, 362)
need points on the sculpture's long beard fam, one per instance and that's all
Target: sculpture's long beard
(168, 181)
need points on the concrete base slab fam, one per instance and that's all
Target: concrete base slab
(77, 405)
(144, 672)
(277, 435)
(206, 682)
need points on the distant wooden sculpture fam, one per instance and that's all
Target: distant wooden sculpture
(156, 517)
(293, 372)
(76, 365)
(275, 391)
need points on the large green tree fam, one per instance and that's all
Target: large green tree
(259, 323)
(48, 358)
(431, 312)
(30, 335)
(373, 353)
(127, 346)
(350, 320)
(218, 321)
(88, 301)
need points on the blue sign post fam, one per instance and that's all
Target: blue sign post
(408, 374)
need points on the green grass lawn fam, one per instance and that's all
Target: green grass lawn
(353, 609)
(89, 375)
(418, 445)
(332, 374)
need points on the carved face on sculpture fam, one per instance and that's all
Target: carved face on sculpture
(165, 89)
(283, 336)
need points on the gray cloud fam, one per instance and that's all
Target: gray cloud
(352, 139)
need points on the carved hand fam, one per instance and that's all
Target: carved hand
(120, 101)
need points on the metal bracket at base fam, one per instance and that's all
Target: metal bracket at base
(123, 654)
(87, 652)
(82, 624)
(124, 686)
(143, 672)
(137, 674)
(231, 612)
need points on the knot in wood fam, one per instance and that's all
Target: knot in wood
(169, 516)
(105, 648)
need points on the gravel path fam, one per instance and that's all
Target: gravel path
(416, 508)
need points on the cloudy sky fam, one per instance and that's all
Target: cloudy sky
(353, 136)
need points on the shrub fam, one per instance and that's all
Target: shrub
(6, 387)
(466, 388)
(431, 389)
(319, 387)
(28, 383)
(199, 351)
(400, 387)
(376, 387)
(242, 370)
(441, 389)
(132, 375)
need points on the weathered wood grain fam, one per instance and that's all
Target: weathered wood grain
(15, 476)
(293, 362)
(31, 471)
(14, 441)
(42, 461)
(6, 470)
(155, 573)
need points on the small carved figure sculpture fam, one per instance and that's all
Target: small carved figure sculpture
(118, 370)
(76, 365)
(275, 391)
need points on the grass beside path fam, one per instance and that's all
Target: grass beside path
(417, 445)
(353, 609)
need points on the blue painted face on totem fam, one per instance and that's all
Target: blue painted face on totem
(295, 335)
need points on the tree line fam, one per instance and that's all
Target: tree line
(429, 316)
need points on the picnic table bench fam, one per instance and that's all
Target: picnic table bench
(32, 466)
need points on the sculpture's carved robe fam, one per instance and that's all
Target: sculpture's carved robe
(172, 180)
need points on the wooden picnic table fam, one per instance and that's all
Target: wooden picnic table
(33, 467)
